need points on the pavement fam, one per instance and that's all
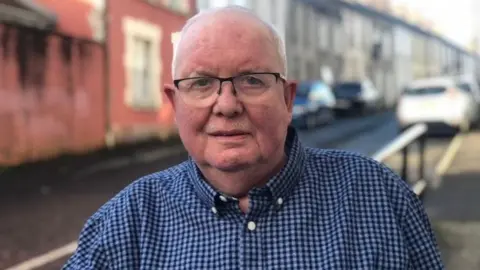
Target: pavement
(454, 207)
(43, 208)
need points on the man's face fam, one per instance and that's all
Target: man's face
(226, 46)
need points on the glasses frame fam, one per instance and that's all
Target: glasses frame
(278, 76)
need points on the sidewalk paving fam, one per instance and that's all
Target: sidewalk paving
(454, 208)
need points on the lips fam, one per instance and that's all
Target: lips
(228, 133)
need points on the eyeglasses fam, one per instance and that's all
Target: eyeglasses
(200, 91)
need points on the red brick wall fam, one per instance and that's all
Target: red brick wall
(64, 113)
(124, 118)
(72, 16)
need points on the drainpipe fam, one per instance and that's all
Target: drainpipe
(109, 136)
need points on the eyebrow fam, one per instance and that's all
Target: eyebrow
(254, 69)
(198, 73)
(243, 71)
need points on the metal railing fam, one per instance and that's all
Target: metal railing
(415, 134)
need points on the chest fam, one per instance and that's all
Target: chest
(293, 237)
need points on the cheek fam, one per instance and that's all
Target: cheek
(191, 120)
(190, 123)
(270, 123)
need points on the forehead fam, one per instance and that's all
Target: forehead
(227, 44)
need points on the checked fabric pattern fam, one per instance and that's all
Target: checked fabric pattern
(326, 209)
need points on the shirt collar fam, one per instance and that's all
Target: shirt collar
(280, 186)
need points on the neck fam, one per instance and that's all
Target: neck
(239, 183)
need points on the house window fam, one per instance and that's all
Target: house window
(141, 71)
(142, 64)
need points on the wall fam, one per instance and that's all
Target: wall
(73, 16)
(128, 122)
(51, 95)
(402, 54)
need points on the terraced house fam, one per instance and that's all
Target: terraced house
(351, 40)
(78, 75)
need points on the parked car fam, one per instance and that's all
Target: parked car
(438, 102)
(314, 105)
(357, 96)
(469, 83)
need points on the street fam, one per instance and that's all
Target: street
(45, 210)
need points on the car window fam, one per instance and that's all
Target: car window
(303, 89)
(465, 87)
(351, 88)
(424, 91)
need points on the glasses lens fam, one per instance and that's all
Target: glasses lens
(253, 85)
(201, 91)
(198, 91)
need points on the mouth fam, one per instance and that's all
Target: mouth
(228, 133)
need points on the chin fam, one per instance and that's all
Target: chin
(232, 160)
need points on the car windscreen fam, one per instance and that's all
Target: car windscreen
(347, 88)
(424, 91)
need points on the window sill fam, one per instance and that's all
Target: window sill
(144, 106)
(186, 13)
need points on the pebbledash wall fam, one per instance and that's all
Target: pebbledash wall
(57, 97)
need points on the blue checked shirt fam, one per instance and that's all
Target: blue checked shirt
(326, 209)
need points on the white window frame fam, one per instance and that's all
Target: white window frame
(183, 8)
(137, 28)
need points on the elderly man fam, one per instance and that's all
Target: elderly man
(251, 196)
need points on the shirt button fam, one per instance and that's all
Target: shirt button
(214, 210)
(223, 199)
(252, 226)
(280, 201)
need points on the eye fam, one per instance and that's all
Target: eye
(252, 80)
(201, 82)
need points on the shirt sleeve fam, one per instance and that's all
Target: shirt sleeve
(419, 237)
(90, 253)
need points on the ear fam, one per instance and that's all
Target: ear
(170, 91)
(290, 93)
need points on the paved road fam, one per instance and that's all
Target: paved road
(47, 209)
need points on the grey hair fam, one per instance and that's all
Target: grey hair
(277, 38)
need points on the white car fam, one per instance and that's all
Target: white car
(469, 83)
(438, 102)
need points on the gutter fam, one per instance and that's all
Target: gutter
(29, 14)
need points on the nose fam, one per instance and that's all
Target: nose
(227, 103)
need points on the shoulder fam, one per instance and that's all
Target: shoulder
(345, 163)
(143, 195)
(110, 232)
(360, 174)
